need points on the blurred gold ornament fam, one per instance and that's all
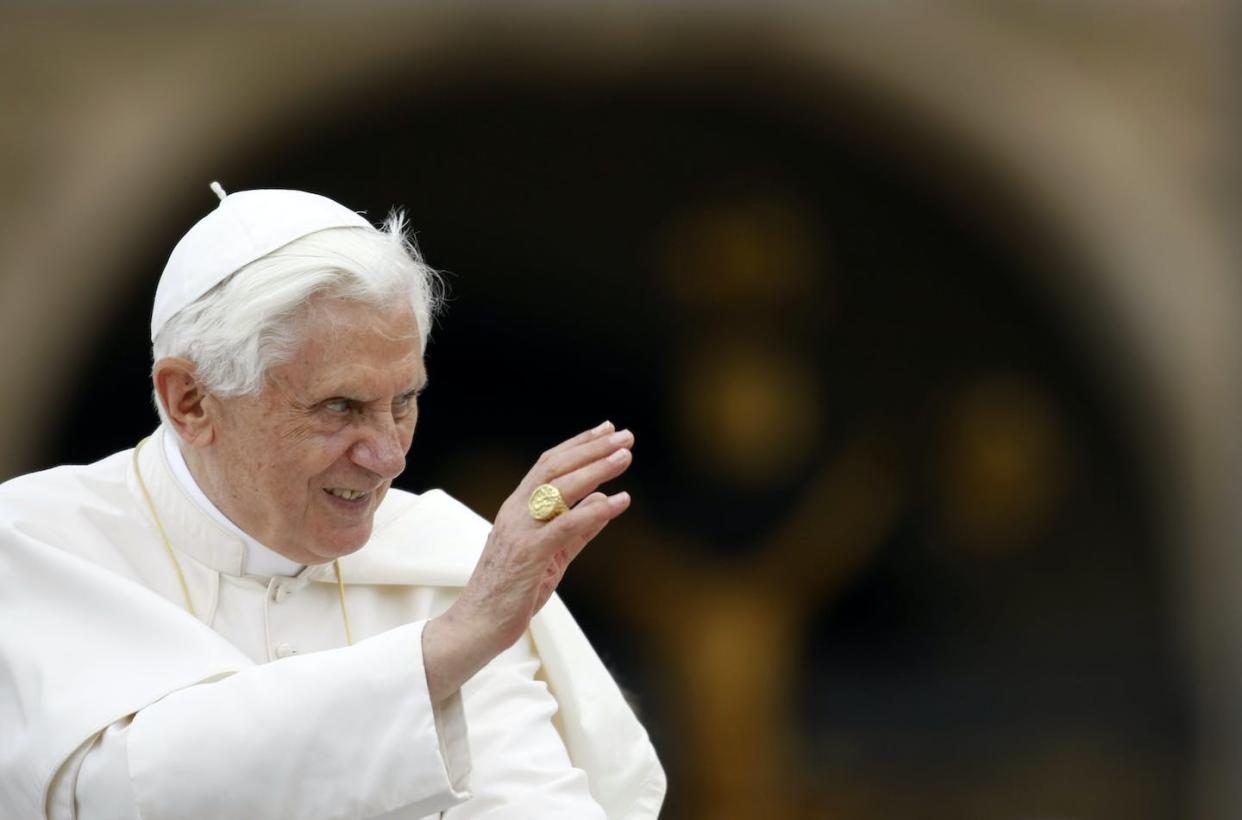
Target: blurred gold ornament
(750, 410)
(1003, 464)
(760, 253)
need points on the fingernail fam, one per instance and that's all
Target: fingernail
(607, 425)
(619, 456)
(621, 437)
(619, 500)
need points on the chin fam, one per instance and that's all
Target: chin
(342, 545)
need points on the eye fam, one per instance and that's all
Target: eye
(337, 405)
(402, 403)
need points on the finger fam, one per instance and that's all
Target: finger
(575, 529)
(582, 482)
(588, 435)
(560, 461)
(582, 438)
(593, 498)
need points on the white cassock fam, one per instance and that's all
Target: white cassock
(116, 702)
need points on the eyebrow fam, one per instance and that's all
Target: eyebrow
(414, 391)
(418, 387)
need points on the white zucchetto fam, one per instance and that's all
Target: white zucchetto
(244, 227)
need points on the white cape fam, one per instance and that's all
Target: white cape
(84, 642)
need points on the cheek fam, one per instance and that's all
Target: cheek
(331, 449)
(255, 455)
(291, 459)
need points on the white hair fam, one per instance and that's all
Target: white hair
(249, 322)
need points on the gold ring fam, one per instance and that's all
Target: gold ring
(546, 503)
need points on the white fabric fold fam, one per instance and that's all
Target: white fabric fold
(93, 629)
(196, 746)
(597, 724)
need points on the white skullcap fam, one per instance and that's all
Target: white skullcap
(245, 226)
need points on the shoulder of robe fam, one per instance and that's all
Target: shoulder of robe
(64, 506)
(104, 480)
(426, 539)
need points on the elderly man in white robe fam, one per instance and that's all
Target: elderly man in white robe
(241, 618)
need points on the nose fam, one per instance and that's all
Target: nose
(380, 447)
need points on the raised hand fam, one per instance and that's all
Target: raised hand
(524, 559)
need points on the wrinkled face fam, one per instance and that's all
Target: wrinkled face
(303, 465)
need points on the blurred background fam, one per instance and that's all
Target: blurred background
(926, 316)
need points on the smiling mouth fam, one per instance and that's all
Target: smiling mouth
(346, 495)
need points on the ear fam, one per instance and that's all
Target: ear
(184, 400)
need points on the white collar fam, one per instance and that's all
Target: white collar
(256, 559)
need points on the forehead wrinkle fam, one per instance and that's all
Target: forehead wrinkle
(356, 381)
(334, 312)
(337, 353)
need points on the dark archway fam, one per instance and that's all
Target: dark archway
(670, 244)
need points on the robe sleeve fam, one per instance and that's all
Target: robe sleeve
(520, 767)
(342, 733)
